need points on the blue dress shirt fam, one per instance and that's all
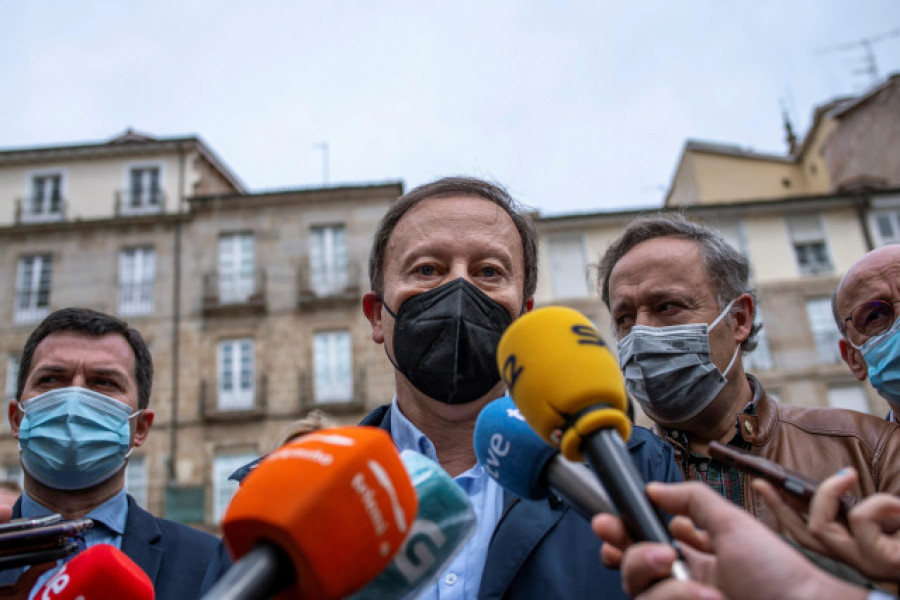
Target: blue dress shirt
(463, 576)
(109, 526)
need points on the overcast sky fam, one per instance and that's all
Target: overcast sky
(574, 106)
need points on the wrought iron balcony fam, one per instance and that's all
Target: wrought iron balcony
(328, 284)
(129, 203)
(234, 294)
(216, 406)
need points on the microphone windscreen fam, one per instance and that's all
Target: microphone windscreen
(510, 450)
(338, 502)
(102, 572)
(446, 520)
(558, 369)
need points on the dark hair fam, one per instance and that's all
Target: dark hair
(727, 269)
(455, 186)
(91, 322)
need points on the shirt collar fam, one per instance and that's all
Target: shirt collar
(112, 514)
(408, 437)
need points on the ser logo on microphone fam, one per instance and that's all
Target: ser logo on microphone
(587, 335)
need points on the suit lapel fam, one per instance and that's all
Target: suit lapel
(142, 540)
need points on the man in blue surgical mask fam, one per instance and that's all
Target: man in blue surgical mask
(865, 310)
(81, 408)
(683, 312)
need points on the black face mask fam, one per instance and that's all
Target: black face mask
(445, 341)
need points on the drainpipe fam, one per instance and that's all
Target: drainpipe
(862, 212)
(176, 320)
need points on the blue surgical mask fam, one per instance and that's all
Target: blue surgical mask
(73, 438)
(882, 354)
(669, 370)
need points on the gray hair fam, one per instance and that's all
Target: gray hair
(728, 270)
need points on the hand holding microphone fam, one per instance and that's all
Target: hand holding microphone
(318, 518)
(568, 387)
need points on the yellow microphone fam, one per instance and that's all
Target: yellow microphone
(567, 385)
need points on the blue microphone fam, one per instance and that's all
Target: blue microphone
(521, 462)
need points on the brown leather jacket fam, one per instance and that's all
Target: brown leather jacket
(818, 441)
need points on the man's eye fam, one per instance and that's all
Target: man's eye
(489, 271)
(427, 270)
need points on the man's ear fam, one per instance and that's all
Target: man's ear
(854, 359)
(15, 417)
(372, 305)
(742, 313)
(142, 428)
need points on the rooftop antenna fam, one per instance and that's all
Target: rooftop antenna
(323, 146)
(869, 64)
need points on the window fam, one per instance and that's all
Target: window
(328, 260)
(136, 272)
(136, 479)
(333, 366)
(236, 375)
(45, 201)
(33, 288)
(236, 265)
(761, 357)
(824, 331)
(810, 245)
(144, 195)
(224, 488)
(850, 397)
(886, 225)
(568, 268)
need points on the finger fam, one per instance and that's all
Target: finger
(880, 509)
(706, 508)
(645, 563)
(825, 505)
(611, 530)
(684, 530)
(789, 521)
(671, 589)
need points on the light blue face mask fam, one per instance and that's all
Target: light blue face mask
(73, 438)
(882, 354)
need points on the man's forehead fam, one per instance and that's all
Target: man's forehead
(112, 347)
(870, 277)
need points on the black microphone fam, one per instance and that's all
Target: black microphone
(569, 388)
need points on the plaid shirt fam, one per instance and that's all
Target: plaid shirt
(727, 481)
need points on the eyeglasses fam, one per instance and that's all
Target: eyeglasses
(872, 317)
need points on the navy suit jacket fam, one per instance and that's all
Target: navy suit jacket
(182, 562)
(541, 549)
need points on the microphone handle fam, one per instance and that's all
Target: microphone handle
(258, 575)
(611, 460)
(578, 487)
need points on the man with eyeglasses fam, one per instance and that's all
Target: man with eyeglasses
(683, 310)
(865, 311)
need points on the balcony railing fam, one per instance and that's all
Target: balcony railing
(136, 298)
(317, 284)
(130, 203)
(212, 408)
(234, 294)
(40, 210)
(354, 402)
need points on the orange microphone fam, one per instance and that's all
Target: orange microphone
(568, 386)
(318, 518)
(101, 572)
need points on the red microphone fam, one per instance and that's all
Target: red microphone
(101, 572)
(318, 518)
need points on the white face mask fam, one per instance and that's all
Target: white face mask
(669, 371)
